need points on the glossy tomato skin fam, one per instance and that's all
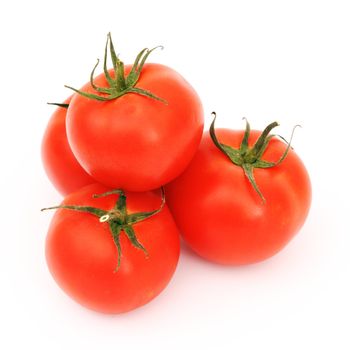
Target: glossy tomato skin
(220, 215)
(82, 257)
(135, 142)
(60, 164)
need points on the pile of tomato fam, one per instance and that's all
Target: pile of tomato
(128, 152)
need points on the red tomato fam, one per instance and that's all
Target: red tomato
(136, 142)
(82, 253)
(60, 165)
(222, 217)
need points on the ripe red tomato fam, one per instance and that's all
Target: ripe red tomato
(220, 214)
(61, 167)
(82, 249)
(136, 142)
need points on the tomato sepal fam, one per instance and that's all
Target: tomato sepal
(119, 85)
(117, 218)
(62, 105)
(250, 158)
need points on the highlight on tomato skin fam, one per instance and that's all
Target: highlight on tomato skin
(59, 162)
(222, 217)
(82, 253)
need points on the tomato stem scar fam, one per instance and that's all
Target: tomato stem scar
(104, 218)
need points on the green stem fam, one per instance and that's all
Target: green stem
(250, 158)
(120, 84)
(118, 219)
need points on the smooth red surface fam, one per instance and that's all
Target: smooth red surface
(60, 164)
(220, 215)
(135, 142)
(82, 256)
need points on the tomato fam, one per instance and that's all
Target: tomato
(220, 214)
(139, 140)
(60, 164)
(82, 249)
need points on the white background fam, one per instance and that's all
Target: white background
(264, 60)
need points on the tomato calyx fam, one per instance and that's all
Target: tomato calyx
(249, 158)
(119, 85)
(118, 219)
(61, 105)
